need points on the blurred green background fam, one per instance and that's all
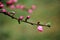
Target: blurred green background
(46, 11)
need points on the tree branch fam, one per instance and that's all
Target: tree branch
(13, 17)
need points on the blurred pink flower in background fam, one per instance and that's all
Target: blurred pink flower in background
(12, 6)
(1, 5)
(30, 11)
(18, 6)
(33, 7)
(9, 2)
(3, 10)
(15, 1)
(22, 7)
(40, 28)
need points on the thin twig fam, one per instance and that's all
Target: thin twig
(13, 17)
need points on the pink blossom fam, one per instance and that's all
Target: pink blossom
(40, 28)
(9, 2)
(30, 11)
(21, 17)
(12, 6)
(3, 10)
(22, 7)
(14, 1)
(18, 6)
(33, 7)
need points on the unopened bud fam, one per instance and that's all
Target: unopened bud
(40, 28)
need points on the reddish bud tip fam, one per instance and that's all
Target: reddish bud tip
(28, 17)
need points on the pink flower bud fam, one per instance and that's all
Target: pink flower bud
(21, 17)
(40, 28)
(30, 11)
(18, 6)
(33, 7)
(28, 17)
(12, 6)
(22, 7)
(1, 6)
(3, 10)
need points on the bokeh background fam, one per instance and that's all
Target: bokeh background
(47, 11)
